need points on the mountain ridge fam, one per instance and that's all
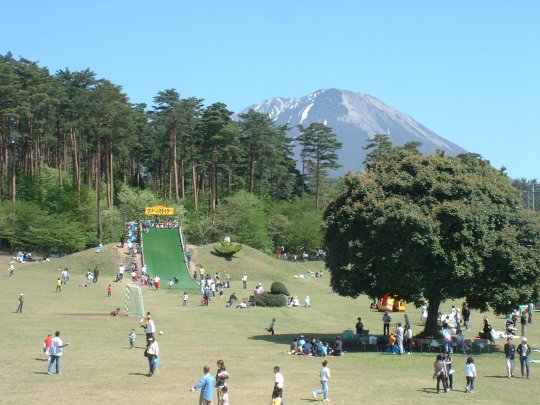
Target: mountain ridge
(354, 118)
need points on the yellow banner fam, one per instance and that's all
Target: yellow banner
(159, 210)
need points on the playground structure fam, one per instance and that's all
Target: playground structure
(391, 304)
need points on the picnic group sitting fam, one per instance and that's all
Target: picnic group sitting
(23, 257)
(293, 302)
(233, 302)
(315, 347)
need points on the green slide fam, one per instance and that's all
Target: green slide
(163, 255)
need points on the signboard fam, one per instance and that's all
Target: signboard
(159, 210)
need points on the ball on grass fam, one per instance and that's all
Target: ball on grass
(161, 332)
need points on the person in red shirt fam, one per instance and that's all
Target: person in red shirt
(109, 290)
(47, 346)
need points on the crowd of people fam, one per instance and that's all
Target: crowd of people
(316, 347)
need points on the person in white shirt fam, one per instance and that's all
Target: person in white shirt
(121, 270)
(150, 329)
(325, 376)
(399, 337)
(278, 384)
(56, 352)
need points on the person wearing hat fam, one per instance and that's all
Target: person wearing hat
(524, 351)
(21, 303)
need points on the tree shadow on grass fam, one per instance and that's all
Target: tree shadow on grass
(40, 359)
(226, 257)
(496, 376)
(287, 338)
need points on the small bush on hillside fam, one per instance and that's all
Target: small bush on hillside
(271, 300)
(227, 248)
(278, 288)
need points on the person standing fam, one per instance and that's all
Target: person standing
(96, 275)
(409, 338)
(11, 269)
(132, 336)
(440, 373)
(386, 323)
(278, 385)
(524, 351)
(399, 337)
(359, 327)
(470, 374)
(221, 380)
(150, 328)
(152, 353)
(244, 281)
(109, 290)
(58, 285)
(206, 384)
(189, 256)
(56, 350)
(530, 310)
(407, 322)
(449, 370)
(466, 313)
(271, 326)
(47, 346)
(324, 376)
(21, 303)
(509, 352)
(523, 322)
(184, 299)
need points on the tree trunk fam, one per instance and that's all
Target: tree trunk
(213, 185)
(182, 179)
(175, 165)
(98, 188)
(76, 164)
(431, 327)
(195, 185)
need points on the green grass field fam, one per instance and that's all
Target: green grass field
(99, 366)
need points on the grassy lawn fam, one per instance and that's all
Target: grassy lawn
(99, 366)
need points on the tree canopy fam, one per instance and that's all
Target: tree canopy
(431, 228)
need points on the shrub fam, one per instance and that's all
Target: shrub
(278, 288)
(227, 248)
(271, 300)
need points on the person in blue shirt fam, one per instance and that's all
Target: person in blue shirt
(206, 384)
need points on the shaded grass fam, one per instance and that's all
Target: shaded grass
(99, 366)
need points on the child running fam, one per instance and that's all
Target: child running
(470, 375)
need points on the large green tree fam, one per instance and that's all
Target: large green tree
(318, 148)
(431, 228)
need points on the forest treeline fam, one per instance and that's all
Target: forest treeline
(78, 159)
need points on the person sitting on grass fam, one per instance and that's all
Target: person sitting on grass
(392, 346)
(115, 312)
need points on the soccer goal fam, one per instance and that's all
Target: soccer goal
(134, 300)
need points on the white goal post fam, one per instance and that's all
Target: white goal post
(134, 301)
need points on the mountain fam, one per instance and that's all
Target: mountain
(354, 117)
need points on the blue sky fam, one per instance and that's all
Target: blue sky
(468, 70)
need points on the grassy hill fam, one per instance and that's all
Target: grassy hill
(99, 366)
